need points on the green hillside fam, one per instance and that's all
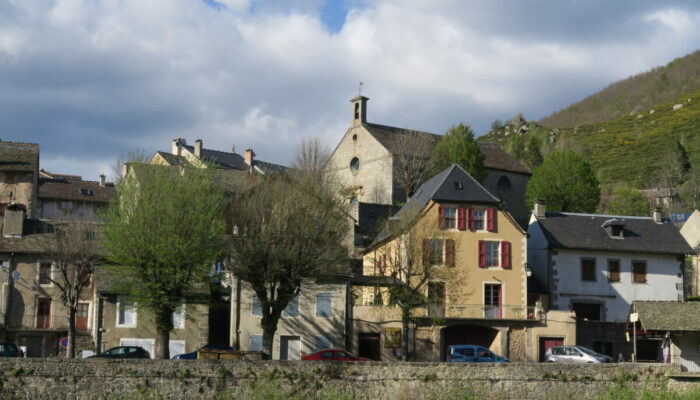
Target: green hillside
(632, 95)
(642, 150)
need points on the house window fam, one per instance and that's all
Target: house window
(436, 251)
(639, 271)
(321, 342)
(588, 269)
(126, 312)
(292, 309)
(587, 311)
(45, 273)
(43, 313)
(256, 342)
(478, 219)
(81, 317)
(492, 301)
(436, 299)
(616, 230)
(449, 218)
(492, 256)
(178, 317)
(614, 270)
(256, 308)
(323, 305)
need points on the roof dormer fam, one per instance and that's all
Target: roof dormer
(614, 228)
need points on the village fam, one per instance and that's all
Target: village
(493, 271)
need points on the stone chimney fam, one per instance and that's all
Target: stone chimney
(102, 180)
(249, 157)
(198, 148)
(359, 110)
(540, 209)
(176, 146)
(233, 149)
(657, 215)
(13, 222)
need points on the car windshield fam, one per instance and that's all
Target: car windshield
(588, 351)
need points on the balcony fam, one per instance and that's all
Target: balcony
(465, 311)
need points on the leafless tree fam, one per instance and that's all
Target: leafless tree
(75, 254)
(411, 159)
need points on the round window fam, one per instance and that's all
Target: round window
(355, 164)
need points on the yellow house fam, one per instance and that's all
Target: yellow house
(465, 260)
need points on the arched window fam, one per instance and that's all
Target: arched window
(357, 110)
(503, 182)
(355, 164)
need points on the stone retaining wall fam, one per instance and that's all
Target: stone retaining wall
(110, 379)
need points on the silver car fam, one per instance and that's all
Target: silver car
(575, 354)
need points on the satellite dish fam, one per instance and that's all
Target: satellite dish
(16, 275)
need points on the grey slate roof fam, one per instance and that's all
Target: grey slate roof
(668, 315)
(444, 187)
(423, 143)
(63, 189)
(228, 160)
(585, 232)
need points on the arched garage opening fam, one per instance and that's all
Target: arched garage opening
(467, 334)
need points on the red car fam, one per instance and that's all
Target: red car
(332, 355)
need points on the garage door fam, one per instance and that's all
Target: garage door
(547, 342)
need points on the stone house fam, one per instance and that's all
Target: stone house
(476, 256)
(19, 175)
(597, 265)
(365, 161)
(691, 233)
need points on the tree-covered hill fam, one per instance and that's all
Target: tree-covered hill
(632, 95)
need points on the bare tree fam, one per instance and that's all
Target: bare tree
(75, 254)
(411, 159)
(312, 155)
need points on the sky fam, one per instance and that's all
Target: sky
(95, 80)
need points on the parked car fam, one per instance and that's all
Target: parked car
(472, 353)
(193, 355)
(332, 355)
(9, 349)
(124, 352)
(575, 354)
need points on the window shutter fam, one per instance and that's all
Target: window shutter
(505, 254)
(426, 251)
(383, 260)
(450, 252)
(490, 219)
(441, 222)
(470, 218)
(460, 219)
(482, 253)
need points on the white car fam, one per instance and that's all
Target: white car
(575, 354)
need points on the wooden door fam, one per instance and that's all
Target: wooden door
(43, 319)
(81, 317)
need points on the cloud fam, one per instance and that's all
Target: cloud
(90, 80)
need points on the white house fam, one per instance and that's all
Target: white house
(597, 265)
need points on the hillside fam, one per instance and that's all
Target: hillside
(641, 150)
(632, 95)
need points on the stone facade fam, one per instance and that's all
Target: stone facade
(108, 379)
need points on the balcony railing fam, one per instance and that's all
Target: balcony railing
(466, 311)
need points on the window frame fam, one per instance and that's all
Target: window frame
(51, 272)
(250, 341)
(634, 273)
(476, 220)
(433, 256)
(449, 222)
(329, 295)
(496, 243)
(593, 260)
(49, 315)
(610, 272)
(126, 300)
(253, 309)
(179, 315)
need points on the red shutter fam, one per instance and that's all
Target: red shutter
(426, 251)
(470, 218)
(450, 252)
(441, 222)
(384, 260)
(490, 219)
(505, 254)
(482, 254)
(460, 219)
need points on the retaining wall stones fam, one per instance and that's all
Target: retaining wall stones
(110, 379)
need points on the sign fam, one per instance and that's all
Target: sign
(64, 342)
(634, 317)
(392, 338)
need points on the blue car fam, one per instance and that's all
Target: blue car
(193, 355)
(472, 353)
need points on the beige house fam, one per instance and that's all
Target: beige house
(313, 321)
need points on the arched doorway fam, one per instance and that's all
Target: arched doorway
(468, 334)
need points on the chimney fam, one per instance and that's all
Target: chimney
(176, 146)
(198, 148)
(233, 149)
(13, 223)
(102, 180)
(359, 110)
(657, 215)
(249, 157)
(540, 209)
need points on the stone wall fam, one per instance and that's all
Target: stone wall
(107, 379)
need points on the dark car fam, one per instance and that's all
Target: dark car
(332, 355)
(472, 353)
(9, 349)
(193, 355)
(124, 352)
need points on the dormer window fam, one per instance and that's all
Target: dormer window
(459, 185)
(614, 228)
(86, 192)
